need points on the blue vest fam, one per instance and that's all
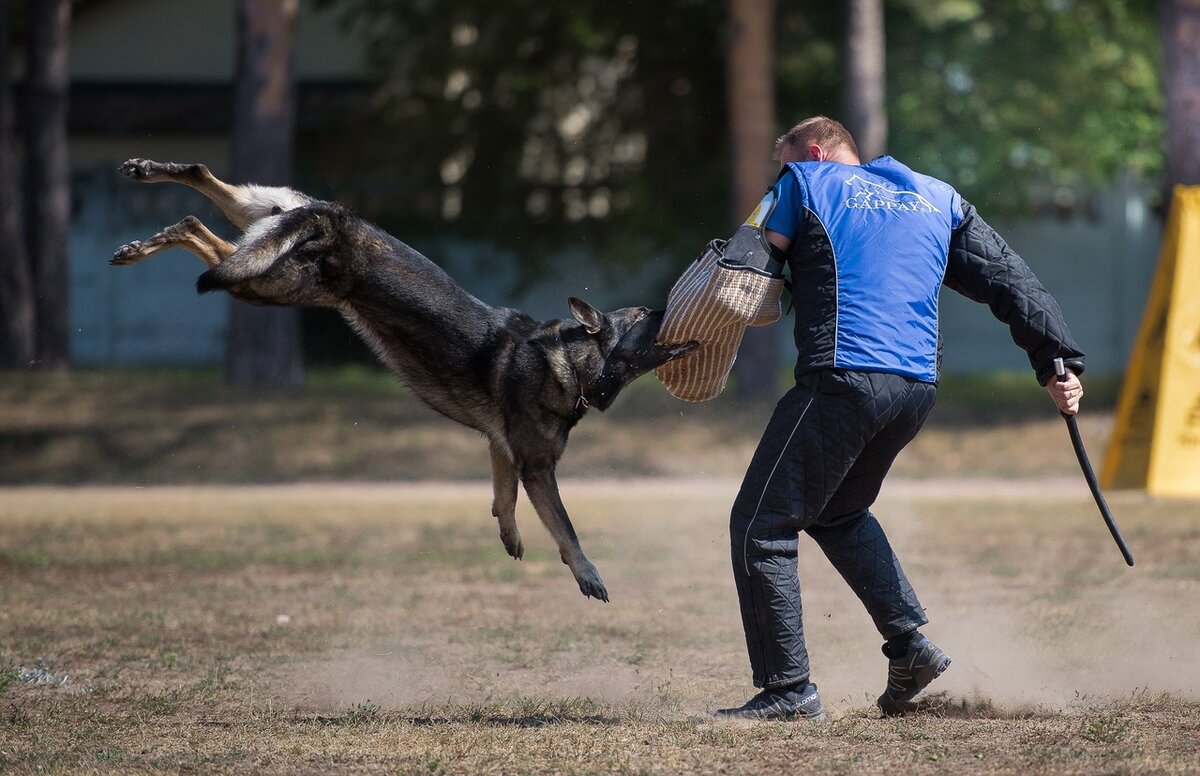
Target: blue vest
(888, 228)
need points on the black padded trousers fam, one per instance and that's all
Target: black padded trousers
(818, 468)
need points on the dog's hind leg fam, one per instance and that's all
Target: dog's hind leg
(542, 488)
(504, 500)
(242, 205)
(188, 233)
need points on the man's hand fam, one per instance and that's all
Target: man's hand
(1066, 395)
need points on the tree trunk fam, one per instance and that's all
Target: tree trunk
(264, 345)
(1180, 20)
(750, 91)
(48, 176)
(16, 276)
(866, 81)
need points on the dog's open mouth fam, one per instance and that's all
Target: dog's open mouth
(636, 353)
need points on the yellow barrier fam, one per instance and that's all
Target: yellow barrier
(1156, 440)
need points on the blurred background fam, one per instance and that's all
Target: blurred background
(540, 148)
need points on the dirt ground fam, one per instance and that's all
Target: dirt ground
(380, 628)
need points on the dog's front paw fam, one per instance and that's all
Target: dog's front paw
(590, 583)
(130, 253)
(512, 543)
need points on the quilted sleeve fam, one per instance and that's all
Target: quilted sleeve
(984, 269)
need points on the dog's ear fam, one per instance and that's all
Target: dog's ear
(592, 319)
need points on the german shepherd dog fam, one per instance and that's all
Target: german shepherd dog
(523, 384)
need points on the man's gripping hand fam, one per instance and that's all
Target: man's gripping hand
(1066, 394)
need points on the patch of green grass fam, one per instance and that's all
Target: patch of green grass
(214, 681)
(1105, 728)
(364, 713)
(112, 755)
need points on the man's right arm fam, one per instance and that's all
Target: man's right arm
(983, 268)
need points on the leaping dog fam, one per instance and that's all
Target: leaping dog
(522, 383)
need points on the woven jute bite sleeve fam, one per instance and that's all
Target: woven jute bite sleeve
(713, 302)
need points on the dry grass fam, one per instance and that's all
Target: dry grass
(187, 427)
(376, 628)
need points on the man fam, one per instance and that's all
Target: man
(868, 246)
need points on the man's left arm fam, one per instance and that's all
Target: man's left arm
(784, 220)
(983, 268)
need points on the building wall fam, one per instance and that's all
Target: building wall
(148, 313)
(1099, 269)
(192, 41)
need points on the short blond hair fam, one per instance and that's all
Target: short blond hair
(828, 133)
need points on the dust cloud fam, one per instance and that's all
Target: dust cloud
(671, 640)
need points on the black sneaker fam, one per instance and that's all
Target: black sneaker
(799, 701)
(911, 673)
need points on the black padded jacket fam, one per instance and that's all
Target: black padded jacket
(984, 269)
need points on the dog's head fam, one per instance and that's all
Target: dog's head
(626, 347)
(293, 257)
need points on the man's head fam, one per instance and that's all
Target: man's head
(817, 139)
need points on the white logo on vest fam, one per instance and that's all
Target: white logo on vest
(872, 196)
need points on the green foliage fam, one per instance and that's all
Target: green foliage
(542, 125)
(548, 124)
(808, 66)
(1008, 99)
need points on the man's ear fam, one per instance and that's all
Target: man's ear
(592, 319)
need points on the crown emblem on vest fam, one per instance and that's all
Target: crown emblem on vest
(867, 195)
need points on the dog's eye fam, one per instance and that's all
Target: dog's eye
(276, 210)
